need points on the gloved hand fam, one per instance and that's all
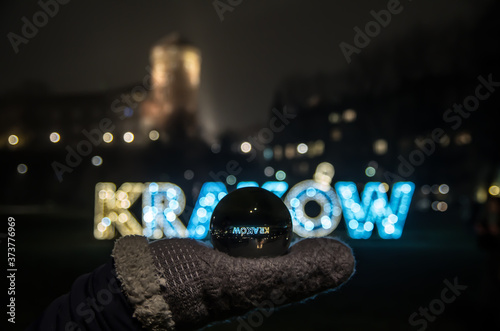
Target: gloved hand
(178, 284)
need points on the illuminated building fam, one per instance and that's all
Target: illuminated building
(171, 105)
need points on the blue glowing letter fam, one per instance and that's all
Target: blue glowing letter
(278, 188)
(210, 195)
(322, 224)
(162, 204)
(375, 209)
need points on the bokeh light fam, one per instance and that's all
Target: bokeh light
(494, 190)
(54, 137)
(425, 189)
(269, 171)
(349, 115)
(370, 171)
(154, 135)
(107, 137)
(442, 206)
(188, 174)
(215, 148)
(380, 146)
(128, 137)
(280, 175)
(231, 180)
(22, 168)
(13, 139)
(96, 160)
(334, 118)
(302, 148)
(246, 147)
(444, 189)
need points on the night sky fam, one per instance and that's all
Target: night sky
(93, 46)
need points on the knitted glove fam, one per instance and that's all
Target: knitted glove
(182, 284)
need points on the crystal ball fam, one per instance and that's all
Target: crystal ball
(251, 222)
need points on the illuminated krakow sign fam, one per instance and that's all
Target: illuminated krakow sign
(164, 203)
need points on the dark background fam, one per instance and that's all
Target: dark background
(264, 55)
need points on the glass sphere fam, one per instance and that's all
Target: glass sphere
(251, 222)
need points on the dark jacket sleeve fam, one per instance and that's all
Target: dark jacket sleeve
(95, 302)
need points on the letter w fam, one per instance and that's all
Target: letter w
(375, 209)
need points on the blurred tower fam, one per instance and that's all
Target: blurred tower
(172, 104)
